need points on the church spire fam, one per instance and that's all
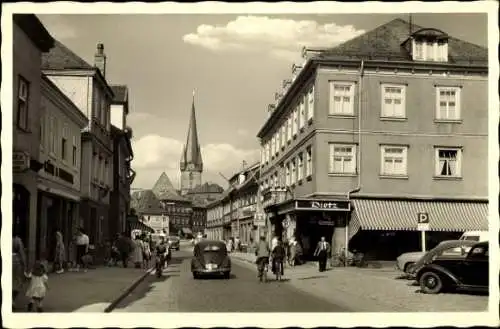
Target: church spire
(191, 155)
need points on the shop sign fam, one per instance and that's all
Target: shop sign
(20, 161)
(259, 219)
(322, 205)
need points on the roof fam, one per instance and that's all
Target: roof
(191, 154)
(386, 42)
(206, 188)
(164, 189)
(35, 30)
(120, 92)
(62, 58)
(145, 202)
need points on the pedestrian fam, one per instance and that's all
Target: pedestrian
(60, 253)
(237, 244)
(124, 246)
(137, 252)
(274, 242)
(322, 251)
(229, 245)
(37, 287)
(278, 255)
(146, 253)
(82, 248)
(293, 251)
(18, 265)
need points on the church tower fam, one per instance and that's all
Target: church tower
(191, 163)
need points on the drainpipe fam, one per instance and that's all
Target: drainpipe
(358, 187)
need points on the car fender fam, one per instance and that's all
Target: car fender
(442, 271)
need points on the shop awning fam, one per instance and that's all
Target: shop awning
(137, 225)
(186, 230)
(395, 215)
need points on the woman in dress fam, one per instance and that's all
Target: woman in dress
(60, 255)
(18, 265)
(137, 252)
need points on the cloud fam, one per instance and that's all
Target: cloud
(281, 38)
(140, 116)
(154, 154)
(58, 26)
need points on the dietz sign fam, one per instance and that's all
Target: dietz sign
(323, 205)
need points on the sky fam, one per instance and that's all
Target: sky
(235, 64)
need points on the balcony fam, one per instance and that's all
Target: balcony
(247, 211)
(274, 195)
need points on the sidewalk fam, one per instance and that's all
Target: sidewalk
(92, 291)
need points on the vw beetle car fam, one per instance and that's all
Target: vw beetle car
(460, 273)
(210, 257)
(174, 242)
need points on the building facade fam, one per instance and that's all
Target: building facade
(58, 185)
(123, 155)
(30, 41)
(86, 86)
(367, 140)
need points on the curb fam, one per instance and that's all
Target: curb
(127, 291)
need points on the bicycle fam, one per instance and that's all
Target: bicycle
(263, 267)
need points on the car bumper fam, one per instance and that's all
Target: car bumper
(221, 270)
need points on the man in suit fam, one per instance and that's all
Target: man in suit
(322, 251)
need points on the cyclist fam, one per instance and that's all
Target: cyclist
(262, 252)
(278, 256)
(162, 251)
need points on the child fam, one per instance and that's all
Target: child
(37, 287)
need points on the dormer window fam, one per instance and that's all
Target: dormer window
(430, 45)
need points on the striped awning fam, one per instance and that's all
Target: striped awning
(137, 225)
(395, 215)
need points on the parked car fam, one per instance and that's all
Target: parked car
(457, 273)
(210, 257)
(478, 236)
(175, 242)
(449, 248)
(405, 261)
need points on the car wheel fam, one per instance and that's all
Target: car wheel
(227, 275)
(195, 276)
(431, 283)
(409, 266)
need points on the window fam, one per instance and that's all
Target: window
(430, 50)
(95, 166)
(300, 167)
(341, 98)
(288, 180)
(283, 135)
(74, 154)
(105, 174)
(342, 159)
(97, 104)
(289, 124)
(103, 112)
(302, 116)
(42, 128)
(277, 139)
(309, 169)
(22, 103)
(52, 134)
(295, 123)
(64, 143)
(448, 103)
(394, 160)
(310, 100)
(293, 174)
(448, 162)
(393, 101)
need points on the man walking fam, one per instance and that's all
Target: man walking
(322, 250)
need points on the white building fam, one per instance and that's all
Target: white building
(58, 182)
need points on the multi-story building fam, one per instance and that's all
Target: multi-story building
(86, 86)
(30, 40)
(149, 211)
(123, 155)
(214, 212)
(61, 123)
(377, 133)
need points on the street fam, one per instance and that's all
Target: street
(177, 291)
(304, 289)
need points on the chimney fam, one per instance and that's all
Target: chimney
(100, 59)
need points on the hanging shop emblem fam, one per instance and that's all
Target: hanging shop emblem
(322, 205)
